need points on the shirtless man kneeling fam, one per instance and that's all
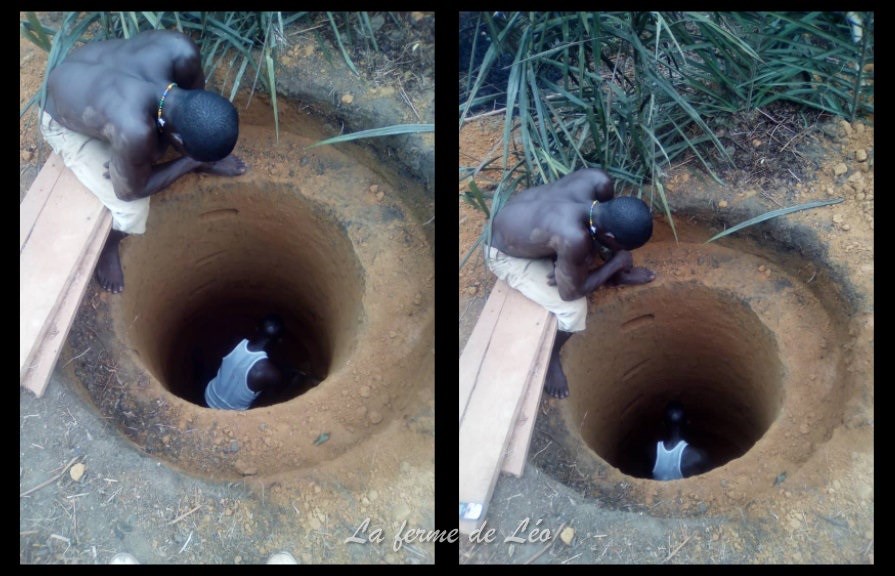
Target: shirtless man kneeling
(545, 242)
(113, 107)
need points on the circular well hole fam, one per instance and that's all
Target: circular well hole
(220, 259)
(749, 349)
(678, 341)
(331, 238)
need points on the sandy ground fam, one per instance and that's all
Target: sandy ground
(818, 504)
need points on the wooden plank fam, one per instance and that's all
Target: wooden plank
(44, 359)
(67, 225)
(517, 453)
(479, 340)
(33, 204)
(495, 402)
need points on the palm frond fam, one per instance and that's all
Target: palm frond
(394, 130)
(773, 214)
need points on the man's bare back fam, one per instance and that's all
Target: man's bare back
(114, 91)
(584, 185)
(105, 88)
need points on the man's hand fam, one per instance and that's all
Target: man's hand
(634, 276)
(622, 260)
(627, 274)
(625, 263)
(229, 166)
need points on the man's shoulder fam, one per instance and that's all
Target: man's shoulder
(264, 370)
(169, 42)
(543, 200)
(125, 46)
(540, 210)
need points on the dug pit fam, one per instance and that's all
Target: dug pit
(220, 259)
(331, 239)
(704, 348)
(738, 337)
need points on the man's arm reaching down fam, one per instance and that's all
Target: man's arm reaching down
(574, 280)
(134, 179)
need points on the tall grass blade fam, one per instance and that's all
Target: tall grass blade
(487, 60)
(341, 45)
(394, 130)
(773, 214)
(272, 86)
(154, 20)
(513, 87)
(471, 251)
(237, 80)
(477, 199)
(365, 18)
(34, 31)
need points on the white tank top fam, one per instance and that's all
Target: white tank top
(229, 390)
(668, 462)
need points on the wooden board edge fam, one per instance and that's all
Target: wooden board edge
(481, 494)
(520, 442)
(37, 376)
(29, 342)
(478, 343)
(36, 198)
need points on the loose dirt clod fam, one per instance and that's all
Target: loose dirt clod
(77, 471)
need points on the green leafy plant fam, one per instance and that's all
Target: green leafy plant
(637, 92)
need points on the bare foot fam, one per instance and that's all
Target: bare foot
(229, 166)
(636, 275)
(108, 269)
(555, 383)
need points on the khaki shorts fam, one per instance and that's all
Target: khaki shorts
(530, 277)
(86, 157)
